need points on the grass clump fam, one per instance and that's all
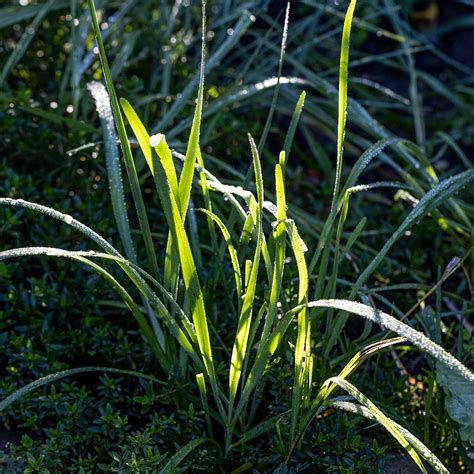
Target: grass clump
(218, 330)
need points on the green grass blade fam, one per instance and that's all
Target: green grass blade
(429, 202)
(239, 95)
(273, 105)
(231, 249)
(355, 362)
(214, 60)
(279, 238)
(390, 323)
(355, 234)
(266, 350)
(245, 236)
(142, 322)
(64, 218)
(131, 270)
(16, 14)
(186, 178)
(457, 149)
(342, 101)
(189, 271)
(181, 454)
(207, 201)
(50, 116)
(134, 273)
(48, 379)
(259, 429)
(253, 334)
(158, 142)
(421, 449)
(187, 173)
(303, 338)
(201, 383)
(290, 134)
(243, 329)
(187, 262)
(380, 418)
(364, 160)
(114, 172)
(127, 154)
(139, 131)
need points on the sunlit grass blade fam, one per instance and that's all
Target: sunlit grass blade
(139, 131)
(158, 142)
(207, 201)
(187, 173)
(290, 134)
(189, 271)
(279, 237)
(421, 449)
(303, 338)
(231, 249)
(266, 350)
(243, 329)
(253, 333)
(245, 236)
(201, 383)
(380, 418)
(269, 344)
(182, 190)
(114, 172)
(390, 323)
(356, 361)
(342, 101)
(127, 154)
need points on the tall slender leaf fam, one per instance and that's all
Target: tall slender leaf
(127, 154)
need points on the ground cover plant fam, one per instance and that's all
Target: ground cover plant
(242, 326)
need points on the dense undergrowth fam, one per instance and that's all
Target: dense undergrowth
(394, 233)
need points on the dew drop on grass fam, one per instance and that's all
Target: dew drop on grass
(155, 140)
(101, 98)
(452, 264)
